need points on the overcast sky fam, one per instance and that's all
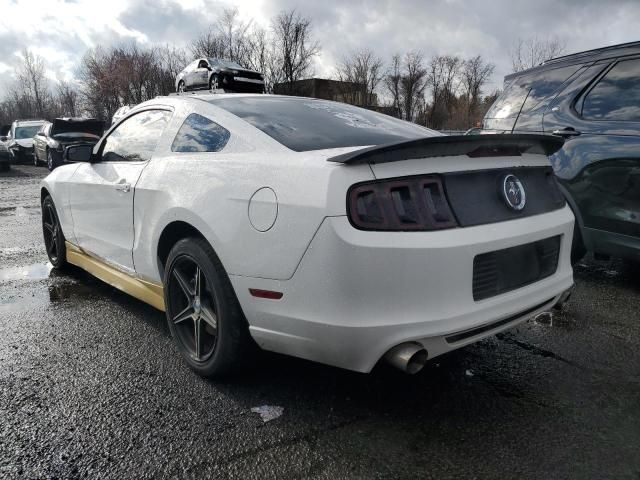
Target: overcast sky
(61, 31)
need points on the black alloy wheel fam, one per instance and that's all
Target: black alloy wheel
(181, 87)
(202, 311)
(54, 240)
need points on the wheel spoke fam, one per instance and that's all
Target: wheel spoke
(184, 284)
(185, 314)
(209, 317)
(197, 281)
(196, 336)
(49, 227)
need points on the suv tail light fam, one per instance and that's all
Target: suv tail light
(407, 204)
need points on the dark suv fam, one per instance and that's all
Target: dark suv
(592, 99)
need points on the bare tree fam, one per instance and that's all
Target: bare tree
(262, 56)
(443, 80)
(412, 83)
(208, 44)
(32, 79)
(67, 100)
(295, 48)
(475, 73)
(533, 51)
(392, 83)
(363, 71)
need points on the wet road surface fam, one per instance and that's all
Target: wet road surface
(92, 386)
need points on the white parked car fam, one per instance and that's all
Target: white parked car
(313, 228)
(20, 141)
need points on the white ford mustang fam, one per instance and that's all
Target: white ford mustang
(312, 228)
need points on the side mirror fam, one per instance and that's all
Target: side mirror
(78, 153)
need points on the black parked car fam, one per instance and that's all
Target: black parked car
(50, 141)
(592, 99)
(213, 73)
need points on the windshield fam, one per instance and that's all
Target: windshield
(27, 132)
(225, 63)
(303, 124)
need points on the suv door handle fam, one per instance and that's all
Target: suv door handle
(123, 187)
(567, 132)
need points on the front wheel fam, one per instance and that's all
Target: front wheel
(202, 311)
(181, 87)
(36, 162)
(54, 240)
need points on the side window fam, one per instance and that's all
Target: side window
(202, 64)
(616, 96)
(136, 138)
(199, 134)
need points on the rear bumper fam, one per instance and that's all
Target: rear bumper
(357, 294)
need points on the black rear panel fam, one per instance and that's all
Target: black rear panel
(476, 199)
(511, 268)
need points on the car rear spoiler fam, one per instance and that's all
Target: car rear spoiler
(491, 145)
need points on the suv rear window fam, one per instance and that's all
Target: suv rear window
(616, 96)
(304, 124)
(527, 91)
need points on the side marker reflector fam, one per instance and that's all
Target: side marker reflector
(270, 294)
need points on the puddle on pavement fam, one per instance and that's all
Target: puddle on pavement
(19, 211)
(52, 294)
(36, 271)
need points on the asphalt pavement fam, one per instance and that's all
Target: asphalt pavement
(91, 386)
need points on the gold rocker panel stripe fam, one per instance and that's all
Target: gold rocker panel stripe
(148, 292)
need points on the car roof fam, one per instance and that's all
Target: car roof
(587, 56)
(28, 123)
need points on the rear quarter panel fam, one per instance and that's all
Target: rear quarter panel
(211, 192)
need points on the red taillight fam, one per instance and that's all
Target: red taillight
(413, 203)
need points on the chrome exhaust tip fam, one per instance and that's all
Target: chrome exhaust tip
(409, 357)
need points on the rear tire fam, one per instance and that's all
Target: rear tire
(54, 240)
(203, 313)
(578, 250)
(51, 163)
(213, 82)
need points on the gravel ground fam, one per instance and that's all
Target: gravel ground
(92, 386)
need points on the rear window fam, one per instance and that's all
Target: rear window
(526, 92)
(304, 124)
(22, 133)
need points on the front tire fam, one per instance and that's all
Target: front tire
(36, 162)
(181, 87)
(203, 313)
(54, 240)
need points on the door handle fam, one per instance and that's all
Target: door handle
(567, 132)
(123, 187)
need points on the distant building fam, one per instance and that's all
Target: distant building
(346, 92)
